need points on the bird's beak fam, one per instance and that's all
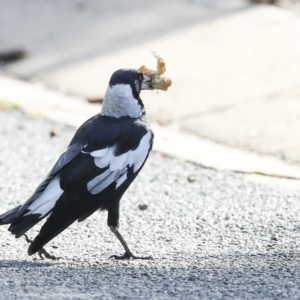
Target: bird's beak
(146, 84)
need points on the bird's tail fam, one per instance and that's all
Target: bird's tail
(48, 232)
(19, 223)
(36, 208)
(61, 218)
(10, 216)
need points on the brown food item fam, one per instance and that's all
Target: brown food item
(95, 100)
(158, 82)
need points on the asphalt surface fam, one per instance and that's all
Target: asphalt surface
(213, 235)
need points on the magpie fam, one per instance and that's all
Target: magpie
(103, 158)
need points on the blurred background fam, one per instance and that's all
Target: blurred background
(235, 64)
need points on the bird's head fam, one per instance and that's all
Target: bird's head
(122, 97)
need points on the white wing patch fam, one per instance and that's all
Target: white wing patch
(121, 179)
(102, 181)
(46, 201)
(117, 165)
(99, 153)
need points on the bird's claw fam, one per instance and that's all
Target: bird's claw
(28, 240)
(128, 255)
(44, 254)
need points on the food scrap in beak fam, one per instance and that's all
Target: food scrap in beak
(153, 79)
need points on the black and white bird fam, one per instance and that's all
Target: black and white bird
(105, 155)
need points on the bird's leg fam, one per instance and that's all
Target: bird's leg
(128, 254)
(42, 251)
(112, 222)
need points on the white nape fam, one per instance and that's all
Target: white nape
(119, 102)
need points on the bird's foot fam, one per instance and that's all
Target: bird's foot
(42, 252)
(128, 255)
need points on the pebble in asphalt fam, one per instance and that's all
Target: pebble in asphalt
(218, 236)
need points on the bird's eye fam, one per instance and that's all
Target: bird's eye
(141, 77)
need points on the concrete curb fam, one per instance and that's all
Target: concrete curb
(37, 100)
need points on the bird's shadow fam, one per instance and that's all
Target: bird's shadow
(232, 275)
(24, 263)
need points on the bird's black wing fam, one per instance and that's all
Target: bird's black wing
(100, 186)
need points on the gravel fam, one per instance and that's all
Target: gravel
(213, 234)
